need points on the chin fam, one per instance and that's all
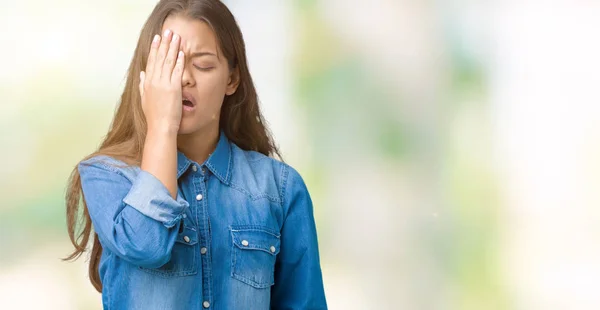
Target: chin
(186, 130)
(189, 126)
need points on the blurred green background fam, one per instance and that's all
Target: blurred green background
(450, 147)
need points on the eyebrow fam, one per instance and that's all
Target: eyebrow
(200, 54)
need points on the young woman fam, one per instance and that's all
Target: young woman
(187, 208)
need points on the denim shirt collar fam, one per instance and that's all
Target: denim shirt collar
(219, 162)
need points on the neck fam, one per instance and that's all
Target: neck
(199, 145)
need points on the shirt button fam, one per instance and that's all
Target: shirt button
(194, 168)
(245, 242)
(203, 250)
(184, 215)
(186, 239)
(203, 170)
(206, 304)
(199, 197)
(273, 249)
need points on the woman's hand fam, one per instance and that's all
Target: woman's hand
(160, 88)
(160, 84)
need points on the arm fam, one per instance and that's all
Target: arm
(160, 157)
(138, 220)
(298, 279)
(160, 91)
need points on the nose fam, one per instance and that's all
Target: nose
(187, 79)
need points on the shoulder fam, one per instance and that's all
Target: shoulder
(264, 175)
(106, 165)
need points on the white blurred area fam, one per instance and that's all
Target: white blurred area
(386, 229)
(546, 113)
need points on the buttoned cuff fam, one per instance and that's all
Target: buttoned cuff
(150, 197)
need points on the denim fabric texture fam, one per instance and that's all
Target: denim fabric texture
(240, 235)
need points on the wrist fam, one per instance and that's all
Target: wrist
(162, 130)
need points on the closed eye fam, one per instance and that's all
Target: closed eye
(204, 68)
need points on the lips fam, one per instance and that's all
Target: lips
(188, 100)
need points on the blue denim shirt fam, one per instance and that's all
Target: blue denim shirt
(240, 235)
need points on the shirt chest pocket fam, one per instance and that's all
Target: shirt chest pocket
(183, 256)
(254, 250)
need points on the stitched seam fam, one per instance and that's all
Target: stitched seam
(185, 271)
(251, 282)
(206, 220)
(229, 164)
(237, 232)
(214, 170)
(101, 164)
(254, 158)
(254, 248)
(235, 250)
(169, 274)
(284, 177)
(253, 197)
(182, 170)
(242, 228)
(233, 254)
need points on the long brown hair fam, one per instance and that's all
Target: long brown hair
(240, 119)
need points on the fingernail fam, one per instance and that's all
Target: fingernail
(156, 38)
(175, 37)
(167, 32)
(180, 54)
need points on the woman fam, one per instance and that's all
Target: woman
(188, 209)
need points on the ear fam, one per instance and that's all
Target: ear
(233, 82)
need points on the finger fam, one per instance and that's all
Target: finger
(142, 78)
(167, 70)
(152, 55)
(178, 70)
(161, 54)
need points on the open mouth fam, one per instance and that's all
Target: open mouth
(188, 101)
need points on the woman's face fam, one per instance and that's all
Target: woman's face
(206, 76)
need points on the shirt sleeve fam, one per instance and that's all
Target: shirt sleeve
(137, 219)
(150, 197)
(298, 277)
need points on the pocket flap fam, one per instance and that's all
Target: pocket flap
(187, 235)
(256, 239)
